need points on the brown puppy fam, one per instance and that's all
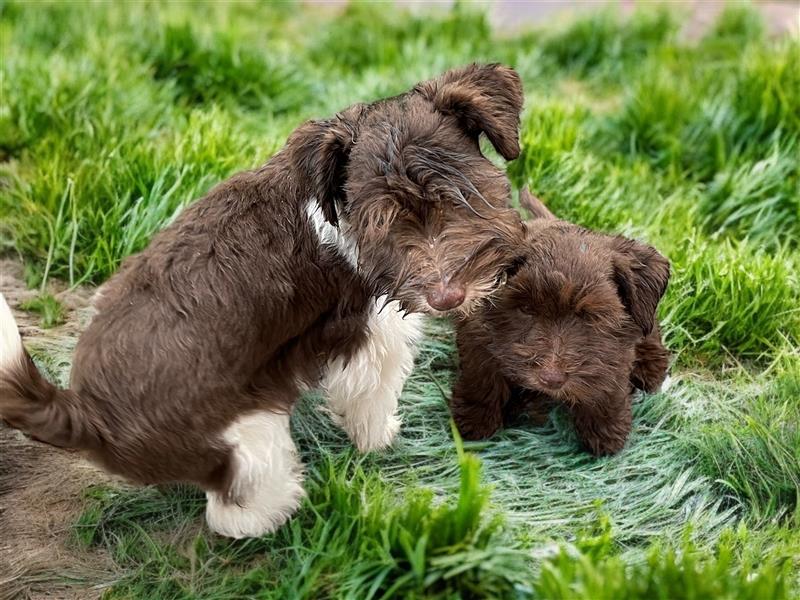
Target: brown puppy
(575, 324)
(291, 276)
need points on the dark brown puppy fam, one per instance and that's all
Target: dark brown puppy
(575, 324)
(291, 276)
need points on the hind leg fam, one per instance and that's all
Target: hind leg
(651, 363)
(264, 486)
(362, 390)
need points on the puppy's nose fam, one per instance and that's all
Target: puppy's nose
(552, 378)
(446, 296)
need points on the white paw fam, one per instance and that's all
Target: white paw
(255, 517)
(267, 478)
(376, 438)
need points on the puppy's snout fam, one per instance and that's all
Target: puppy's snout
(446, 296)
(552, 378)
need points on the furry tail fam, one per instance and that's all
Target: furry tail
(533, 205)
(31, 403)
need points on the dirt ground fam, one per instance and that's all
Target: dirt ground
(40, 486)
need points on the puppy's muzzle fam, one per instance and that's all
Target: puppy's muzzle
(446, 296)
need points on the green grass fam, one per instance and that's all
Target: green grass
(108, 128)
(668, 572)
(755, 453)
(406, 546)
(220, 70)
(605, 47)
(48, 307)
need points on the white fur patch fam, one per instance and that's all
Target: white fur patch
(267, 486)
(362, 392)
(328, 235)
(11, 351)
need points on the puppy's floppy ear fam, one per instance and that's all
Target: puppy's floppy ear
(484, 98)
(319, 151)
(641, 275)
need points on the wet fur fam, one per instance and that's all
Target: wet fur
(583, 304)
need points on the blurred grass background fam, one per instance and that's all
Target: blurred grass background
(115, 116)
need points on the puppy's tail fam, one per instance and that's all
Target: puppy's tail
(533, 205)
(32, 404)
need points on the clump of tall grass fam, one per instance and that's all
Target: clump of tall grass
(735, 128)
(730, 299)
(80, 217)
(48, 308)
(670, 570)
(222, 69)
(753, 451)
(369, 37)
(353, 537)
(697, 121)
(757, 201)
(577, 184)
(605, 46)
(736, 26)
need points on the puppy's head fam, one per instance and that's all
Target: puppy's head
(406, 179)
(567, 322)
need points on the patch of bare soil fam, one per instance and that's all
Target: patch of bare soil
(40, 486)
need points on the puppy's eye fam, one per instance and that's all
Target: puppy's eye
(526, 309)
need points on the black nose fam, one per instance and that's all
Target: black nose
(446, 297)
(552, 378)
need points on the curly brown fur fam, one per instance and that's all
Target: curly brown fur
(575, 324)
(256, 288)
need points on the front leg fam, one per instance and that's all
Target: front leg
(480, 393)
(533, 405)
(362, 390)
(605, 424)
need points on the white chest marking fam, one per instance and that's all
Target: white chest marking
(328, 235)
